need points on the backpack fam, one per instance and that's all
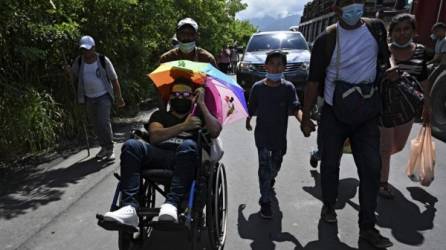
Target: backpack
(101, 61)
(378, 31)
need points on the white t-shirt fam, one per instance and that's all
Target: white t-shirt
(94, 86)
(359, 51)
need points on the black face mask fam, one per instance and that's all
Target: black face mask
(181, 106)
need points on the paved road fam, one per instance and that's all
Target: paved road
(57, 206)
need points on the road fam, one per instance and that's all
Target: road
(56, 207)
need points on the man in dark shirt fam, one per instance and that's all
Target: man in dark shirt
(187, 35)
(172, 146)
(271, 100)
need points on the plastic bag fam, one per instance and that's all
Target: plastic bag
(420, 167)
(216, 152)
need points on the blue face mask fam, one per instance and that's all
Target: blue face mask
(352, 13)
(405, 45)
(187, 48)
(274, 77)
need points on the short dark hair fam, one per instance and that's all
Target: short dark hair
(439, 25)
(276, 54)
(402, 18)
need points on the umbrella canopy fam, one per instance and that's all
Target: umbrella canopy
(223, 96)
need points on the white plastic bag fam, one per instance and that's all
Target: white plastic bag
(216, 151)
(420, 167)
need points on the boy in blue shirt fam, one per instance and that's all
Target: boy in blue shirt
(271, 99)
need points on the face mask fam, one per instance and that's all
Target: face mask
(405, 45)
(352, 13)
(274, 77)
(433, 37)
(187, 47)
(181, 106)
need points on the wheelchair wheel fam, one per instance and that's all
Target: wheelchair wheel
(217, 208)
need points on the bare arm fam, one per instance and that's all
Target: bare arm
(310, 96)
(212, 124)
(118, 95)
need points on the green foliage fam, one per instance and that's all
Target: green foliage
(38, 37)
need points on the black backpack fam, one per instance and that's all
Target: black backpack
(101, 61)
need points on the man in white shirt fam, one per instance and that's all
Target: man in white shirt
(98, 87)
(355, 52)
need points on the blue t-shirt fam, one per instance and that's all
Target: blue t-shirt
(272, 105)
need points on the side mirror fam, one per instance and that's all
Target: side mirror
(240, 49)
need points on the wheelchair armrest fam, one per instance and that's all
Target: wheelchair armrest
(140, 134)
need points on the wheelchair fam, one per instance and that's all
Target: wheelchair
(205, 211)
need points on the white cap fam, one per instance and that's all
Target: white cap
(187, 21)
(86, 42)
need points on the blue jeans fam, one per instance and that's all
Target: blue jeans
(270, 162)
(98, 110)
(138, 155)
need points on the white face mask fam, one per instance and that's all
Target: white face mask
(405, 45)
(433, 37)
(187, 48)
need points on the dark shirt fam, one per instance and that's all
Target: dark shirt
(167, 119)
(416, 65)
(199, 55)
(272, 105)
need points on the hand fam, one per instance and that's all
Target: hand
(427, 113)
(191, 123)
(248, 124)
(120, 103)
(307, 126)
(199, 96)
(392, 74)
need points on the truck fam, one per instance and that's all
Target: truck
(318, 15)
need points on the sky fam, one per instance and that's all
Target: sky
(280, 8)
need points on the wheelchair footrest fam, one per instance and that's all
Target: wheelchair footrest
(167, 226)
(112, 225)
(149, 212)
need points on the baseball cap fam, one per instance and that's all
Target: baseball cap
(86, 42)
(187, 21)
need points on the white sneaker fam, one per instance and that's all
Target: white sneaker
(110, 156)
(125, 216)
(168, 212)
(103, 152)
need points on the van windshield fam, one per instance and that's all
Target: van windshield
(273, 41)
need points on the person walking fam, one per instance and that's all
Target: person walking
(345, 61)
(271, 100)
(408, 57)
(98, 87)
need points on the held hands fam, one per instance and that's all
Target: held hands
(307, 126)
(191, 123)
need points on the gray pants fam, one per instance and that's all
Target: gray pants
(98, 110)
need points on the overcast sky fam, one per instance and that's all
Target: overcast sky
(281, 8)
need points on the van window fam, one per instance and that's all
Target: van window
(277, 41)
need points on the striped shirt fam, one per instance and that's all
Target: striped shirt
(416, 65)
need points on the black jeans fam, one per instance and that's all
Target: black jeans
(137, 155)
(364, 140)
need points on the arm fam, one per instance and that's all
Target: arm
(159, 133)
(427, 106)
(115, 82)
(252, 107)
(212, 124)
(311, 93)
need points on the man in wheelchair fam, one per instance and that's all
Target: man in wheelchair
(172, 145)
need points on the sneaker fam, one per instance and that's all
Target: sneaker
(110, 156)
(385, 191)
(168, 212)
(328, 214)
(314, 158)
(126, 216)
(102, 153)
(265, 210)
(374, 238)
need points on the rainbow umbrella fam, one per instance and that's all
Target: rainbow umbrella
(223, 96)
